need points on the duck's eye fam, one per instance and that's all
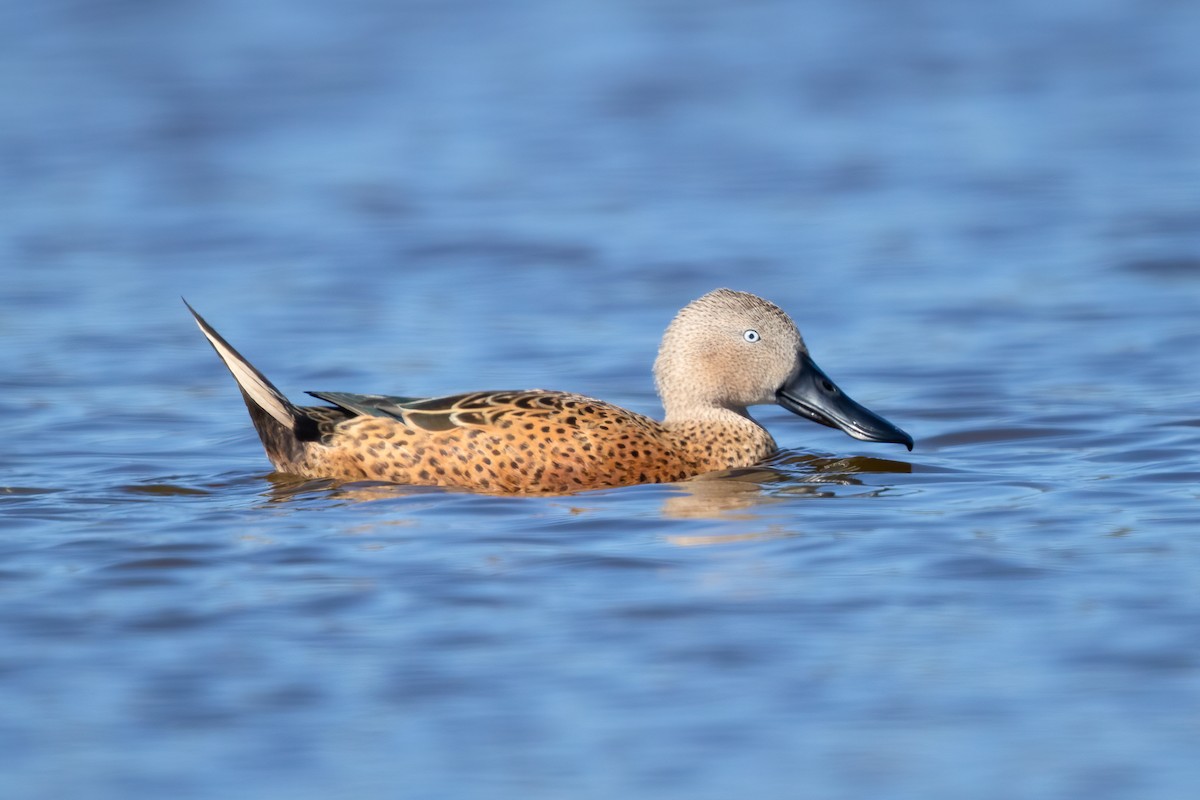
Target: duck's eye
(751, 335)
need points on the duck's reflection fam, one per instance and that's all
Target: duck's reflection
(733, 494)
(730, 495)
(293, 489)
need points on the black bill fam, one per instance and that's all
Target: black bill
(811, 394)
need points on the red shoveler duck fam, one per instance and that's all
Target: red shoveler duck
(722, 353)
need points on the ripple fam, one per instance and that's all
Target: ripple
(162, 490)
(984, 567)
(164, 563)
(1167, 267)
(26, 491)
(521, 253)
(597, 561)
(998, 435)
(171, 621)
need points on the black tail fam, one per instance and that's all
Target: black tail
(273, 415)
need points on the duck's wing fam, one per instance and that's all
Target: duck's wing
(369, 405)
(472, 410)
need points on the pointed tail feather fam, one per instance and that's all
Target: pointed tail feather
(273, 415)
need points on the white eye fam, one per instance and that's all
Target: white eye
(751, 335)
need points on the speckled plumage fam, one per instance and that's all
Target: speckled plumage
(540, 441)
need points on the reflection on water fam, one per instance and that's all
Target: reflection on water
(836, 470)
(716, 495)
(788, 475)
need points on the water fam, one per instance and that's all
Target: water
(984, 219)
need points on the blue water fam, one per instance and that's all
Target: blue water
(986, 220)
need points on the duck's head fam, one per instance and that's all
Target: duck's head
(729, 350)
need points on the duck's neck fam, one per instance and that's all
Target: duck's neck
(719, 438)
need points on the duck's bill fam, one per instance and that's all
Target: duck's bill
(811, 394)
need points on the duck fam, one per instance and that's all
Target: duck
(722, 353)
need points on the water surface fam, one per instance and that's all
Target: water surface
(985, 221)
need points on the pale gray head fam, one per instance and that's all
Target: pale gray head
(728, 350)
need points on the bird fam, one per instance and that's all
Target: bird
(722, 353)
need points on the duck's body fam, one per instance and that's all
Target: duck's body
(513, 442)
(555, 442)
